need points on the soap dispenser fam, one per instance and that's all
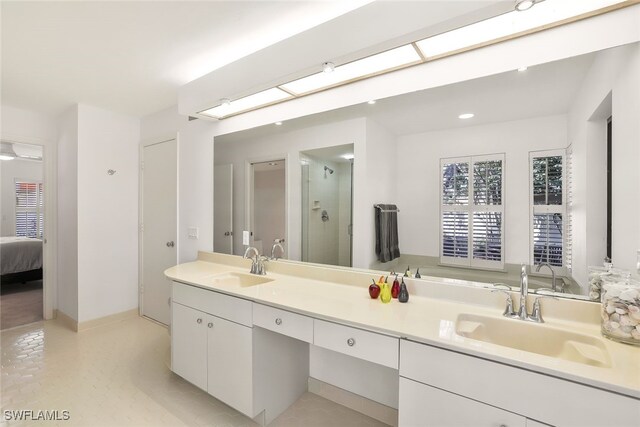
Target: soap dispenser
(404, 293)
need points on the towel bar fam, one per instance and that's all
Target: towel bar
(385, 210)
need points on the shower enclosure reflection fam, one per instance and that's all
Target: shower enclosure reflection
(327, 201)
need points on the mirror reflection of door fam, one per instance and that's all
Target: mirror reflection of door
(268, 215)
(223, 209)
(327, 205)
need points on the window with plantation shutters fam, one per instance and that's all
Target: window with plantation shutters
(548, 207)
(29, 209)
(472, 209)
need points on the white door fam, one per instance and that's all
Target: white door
(223, 208)
(159, 225)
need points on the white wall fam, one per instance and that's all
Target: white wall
(612, 78)
(343, 171)
(195, 175)
(287, 145)
(418, 166)
(17, 169)
(67, 244)
(107, 212)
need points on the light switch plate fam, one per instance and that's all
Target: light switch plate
(193, 232)
(245, 238)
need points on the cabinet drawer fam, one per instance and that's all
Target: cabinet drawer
(422, 405)
(283, 322)
(533, 395)
(225, 306)
(376, 348)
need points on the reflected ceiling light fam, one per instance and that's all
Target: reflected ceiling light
(273, 164)
(466, 116)
(348, 156)
(278, 123)
(522, 5)
(6, 151)
(521, 69)
(247, 103)
(365, 67)
(507, 24)
(373, 101)
(328, 67)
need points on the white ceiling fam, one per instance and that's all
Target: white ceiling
(542, 90)
(132, 56)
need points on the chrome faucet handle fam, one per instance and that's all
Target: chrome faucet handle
(508, 311)
(536, 312)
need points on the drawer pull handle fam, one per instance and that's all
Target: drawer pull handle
(199, 321)
(278, 321)
(351, 342)
(210, 324)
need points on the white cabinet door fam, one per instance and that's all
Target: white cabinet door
(422, 405)
(230, 368)
(189, 344)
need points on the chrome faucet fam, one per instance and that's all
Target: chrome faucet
(277, 244)
(553, 273)
(257, 261)
(524, 290)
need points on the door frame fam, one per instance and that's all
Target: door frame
(146, 143)
(49, 252)
(248, 191)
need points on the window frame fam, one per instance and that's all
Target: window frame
(470, 208)
(549, 209)
(39, 209)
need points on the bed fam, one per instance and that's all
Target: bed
(20, 259)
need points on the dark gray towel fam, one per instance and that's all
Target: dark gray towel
(387, 233)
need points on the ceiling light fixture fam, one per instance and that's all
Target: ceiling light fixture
(328, 67)
(373, 101)
(6, 151)
(251, 102)
(522, 5)
(522, 69)
(278, 123)
(466, 116)
(273, 164)
(349, 156)
(359, 69)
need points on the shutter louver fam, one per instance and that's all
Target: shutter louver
(547, 239)
(455, 234)
(29, 209)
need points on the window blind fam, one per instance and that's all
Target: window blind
(472, 210)
(29, 209)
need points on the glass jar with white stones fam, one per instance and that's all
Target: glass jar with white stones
(621, 309)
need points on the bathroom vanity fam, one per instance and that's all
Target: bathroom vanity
(245, 339)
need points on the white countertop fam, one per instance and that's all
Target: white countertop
(423, 319)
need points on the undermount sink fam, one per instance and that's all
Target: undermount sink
(238, 279)
(534, 338)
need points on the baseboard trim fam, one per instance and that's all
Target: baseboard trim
(112, 318)
(66, 321)
(368, 407)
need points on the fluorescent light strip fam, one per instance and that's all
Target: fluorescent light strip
(543, 13)
(361, 68)
(250, 102)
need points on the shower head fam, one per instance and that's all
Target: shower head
(327, 168)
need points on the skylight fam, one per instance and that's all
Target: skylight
(247, 103)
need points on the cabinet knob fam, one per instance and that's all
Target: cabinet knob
(351, 342)
(278, 321)
(199, 321)
(210, 324)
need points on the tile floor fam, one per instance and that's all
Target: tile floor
(118, 375)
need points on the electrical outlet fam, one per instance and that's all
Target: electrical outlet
(245, 238)
(193, 232)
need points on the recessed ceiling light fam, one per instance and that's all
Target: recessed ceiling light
(522, 5)
(371, 65)
(328, 67)
(373, 101)
(273, 164)
(348, 156)
(278, 123)
(521, 69)
(466, 116)
(250, 102)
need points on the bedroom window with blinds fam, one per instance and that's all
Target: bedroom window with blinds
(472, 210)
(548, 207)
(29, 209)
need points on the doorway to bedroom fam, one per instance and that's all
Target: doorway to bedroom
(21, 234)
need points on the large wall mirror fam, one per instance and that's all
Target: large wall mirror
(529, 166)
